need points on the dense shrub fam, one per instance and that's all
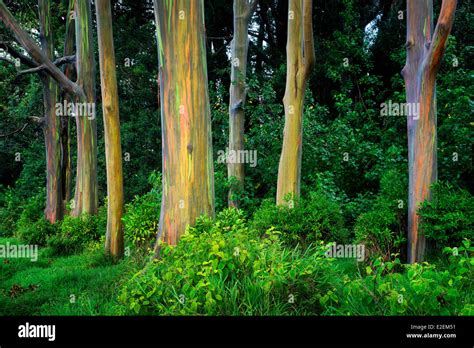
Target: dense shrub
(222, 267)
(10, 210)
(390, 288)
(449, 217)
(303, 221)
(142, 215)
(74, 234)
(37, 232)
(382, 229)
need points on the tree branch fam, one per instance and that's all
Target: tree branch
(57, 62)
(37, 54)
(308, 39)
(441, 34)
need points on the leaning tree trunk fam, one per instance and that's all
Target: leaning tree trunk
(188, 173)
(51, 124)
(300, 61)
(86, 195)
(243, 10)
(113, 148)
(425, 50)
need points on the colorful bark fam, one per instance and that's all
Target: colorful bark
(113, 148)
(300, 61)
(188, 174)
(86, 195)
(425, 50)
(243, 10)
(51, 124)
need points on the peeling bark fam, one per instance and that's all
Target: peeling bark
(188, 173)
(243, 10)
(113, 148)
(425, 50)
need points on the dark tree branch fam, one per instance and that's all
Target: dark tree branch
(57, 62)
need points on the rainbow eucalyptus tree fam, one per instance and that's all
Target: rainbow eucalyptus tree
(425, 50)
(113, 148)
(300, 62)
(86, 194)
(243, 10)
(51, 123)
(188, 173)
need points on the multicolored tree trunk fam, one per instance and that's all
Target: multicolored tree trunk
(300, 62)
(188, 173)
(113, 148)
(86, 195)
(51, 124)
(243, 10)
(69, 71)
(425, 49)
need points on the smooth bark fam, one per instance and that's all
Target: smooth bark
(425, 49)
(243, 10)
(113, 148)
(188, 173)
(300, 62)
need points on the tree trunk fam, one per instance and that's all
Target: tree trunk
(425, 50)
(86, 195)
(69, 71)
(113, 148)
(300, 61)
(243, 10)
(54, 200)
(188, 173)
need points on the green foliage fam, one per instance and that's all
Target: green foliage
(37, 232)
(142, 215)
(449, 217)
(382, 229)
(74, 234)
(390, 288)
(10, 211)
(222, 267)
(303, 221)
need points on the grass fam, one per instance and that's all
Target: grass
(83, 284)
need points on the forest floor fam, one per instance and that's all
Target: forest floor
(83, 284)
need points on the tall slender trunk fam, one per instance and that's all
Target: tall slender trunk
(188, 173)
(300, 61)
(425, 49)
(243, 10)
(86, 195)
(54, 201)
(69, 71)
(113, 148)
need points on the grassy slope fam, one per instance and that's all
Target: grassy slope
(90, 277)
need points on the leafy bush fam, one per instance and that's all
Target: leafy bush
(10, 210)
(310, 219)
(449, 217)
(390, 288)
(382, 229)
(142, 215)
(37, 232)
(74, 234)
(222, 267)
